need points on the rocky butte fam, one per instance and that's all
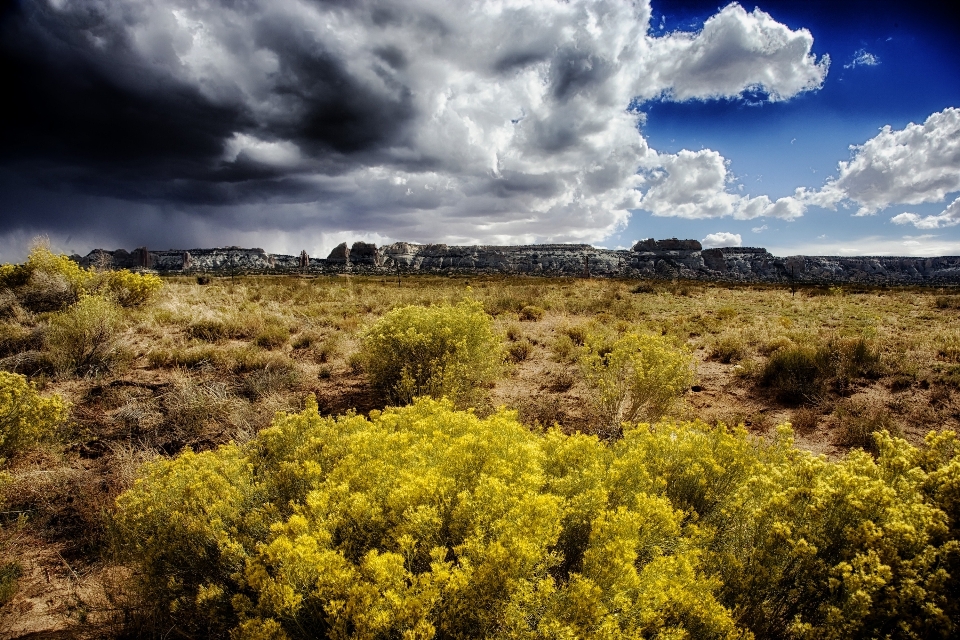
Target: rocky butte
(663, 259)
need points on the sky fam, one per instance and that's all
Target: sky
(818, 128)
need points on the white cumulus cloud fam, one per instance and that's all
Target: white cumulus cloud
(693, 185)
(735, 52)
(917, 164)
(722, 239)
(948, 218)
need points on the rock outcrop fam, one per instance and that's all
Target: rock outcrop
(664, 259)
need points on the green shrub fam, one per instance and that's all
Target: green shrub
(635, 377)
(804, 420)
(435, 351)
(795, 374)
(775, 344)
(728, 349)
(853, 358)
(948, 346)
(947, 302)
(578, 334)
(531, 313)
(10, 573)
(209, 330)
(85, 339)
(520, 350)
(564, 349)
(26, 417)
(860, 422)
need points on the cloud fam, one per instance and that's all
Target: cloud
(737, 52)
(917, 164)
(948, 218)
(759, 229)
(722, 239)
(862, 58)
(501, 121)
(693, 185)
(874, 245)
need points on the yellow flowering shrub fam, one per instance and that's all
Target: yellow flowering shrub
(129, 289)
(49, 282)
(26, 417)
(426, 522)
(637, 377)
(444, 350)
(418, 522)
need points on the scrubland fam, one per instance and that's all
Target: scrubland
(600, 458)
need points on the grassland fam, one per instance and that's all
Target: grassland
(201, 365)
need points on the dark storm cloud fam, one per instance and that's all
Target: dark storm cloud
(492, 121)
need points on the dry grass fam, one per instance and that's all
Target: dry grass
(207, 363)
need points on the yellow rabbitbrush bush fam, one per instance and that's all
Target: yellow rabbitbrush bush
(636, 377)
(50, 282)
(26, 417)
(419, 522)
(425, 522)
(129, 289)
(444, 350)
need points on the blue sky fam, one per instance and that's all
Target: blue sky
(299, 124)
(891, 64)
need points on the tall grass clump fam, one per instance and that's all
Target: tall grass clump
(795, 374)
(85, 339)
(440, 351)
(635, 377)
(800, 374)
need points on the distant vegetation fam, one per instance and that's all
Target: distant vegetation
(284, 457)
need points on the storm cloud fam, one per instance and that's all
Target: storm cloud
(290, 123)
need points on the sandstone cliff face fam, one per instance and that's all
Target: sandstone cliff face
(665, 259)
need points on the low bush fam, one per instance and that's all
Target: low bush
(514, 332)
(445, 350)
(795, 374)
(85, 339)
(947, 302)
(635, 377)
(520, 350)
(861, 422)
(852, 359)
(804, 420)
(799, 374)
(10, 573)
(728, 349)
(948, 346)
(210, 330)
(191, 405)
(531, 313)
(26, 417)
(128, 289)
(451, 527)
(775, 344)
(564, 349)
(425, 522)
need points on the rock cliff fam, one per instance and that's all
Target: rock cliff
(665, 259)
